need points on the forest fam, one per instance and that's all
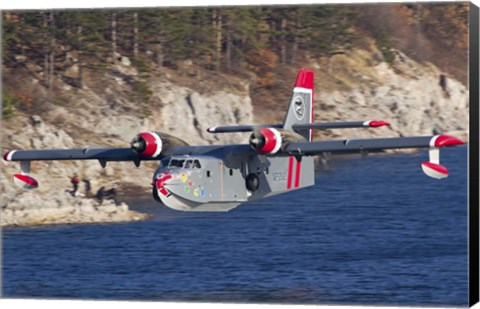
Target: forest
(258, 39)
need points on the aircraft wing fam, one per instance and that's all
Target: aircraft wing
(103, 154)
(374, 144)
(144, 146)
(431, 168)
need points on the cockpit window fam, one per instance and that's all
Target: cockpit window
(176, 163)
(164, 162)
(181, 163)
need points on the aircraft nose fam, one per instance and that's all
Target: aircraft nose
(161, 179)
(159, 182)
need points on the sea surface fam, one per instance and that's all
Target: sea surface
(372, 231)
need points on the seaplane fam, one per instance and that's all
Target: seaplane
(278, 158)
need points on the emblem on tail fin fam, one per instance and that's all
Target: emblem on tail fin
(300, 110)
(299, 107)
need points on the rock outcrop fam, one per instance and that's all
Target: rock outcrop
(27, 210)
(417, 99)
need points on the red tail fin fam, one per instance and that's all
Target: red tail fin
(304, 79)
(300, 110)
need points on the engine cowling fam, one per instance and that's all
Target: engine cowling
(147, 144)
(266, 140)
(152, 144)
(271, 140)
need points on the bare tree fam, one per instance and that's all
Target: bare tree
(293, 59)
(80, 56)
(283, 47)
(217, 27)
(114, 38)
(228, 52)
(46, 78)
(52, 51)
(135, 35)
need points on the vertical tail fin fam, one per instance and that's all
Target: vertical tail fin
(300, 109)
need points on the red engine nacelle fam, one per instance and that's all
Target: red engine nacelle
(147, 144)
(266, 140)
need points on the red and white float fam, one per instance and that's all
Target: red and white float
(433, 168)
(25, 181)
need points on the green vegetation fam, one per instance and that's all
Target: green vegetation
(8, 104)
(142, 67)
(261, 39)
(141, 92)
(386, 49)
(221, 39)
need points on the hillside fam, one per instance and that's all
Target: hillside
(94, 101)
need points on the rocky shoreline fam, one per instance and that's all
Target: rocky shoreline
(27, 210)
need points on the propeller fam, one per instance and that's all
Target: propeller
(138, 144)
(257, 140)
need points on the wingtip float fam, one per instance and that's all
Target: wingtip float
(277, 159)
(25, 181)
(433, 168)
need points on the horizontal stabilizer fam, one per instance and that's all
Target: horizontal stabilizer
(244, 128)
(341, 125)
(302, 126)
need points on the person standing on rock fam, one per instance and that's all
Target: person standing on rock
(88, 187)
(100, 195)
(74, 182)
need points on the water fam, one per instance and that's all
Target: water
(372, 231)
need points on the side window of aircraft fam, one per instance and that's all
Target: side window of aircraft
(196, 164)
(208, 173)
(189, 164)
(231, 172)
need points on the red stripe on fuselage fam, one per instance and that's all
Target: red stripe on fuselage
(297, 174)
(290, 171)
(312, 101)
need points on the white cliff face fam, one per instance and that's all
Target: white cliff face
(417, 99)
(187, 114)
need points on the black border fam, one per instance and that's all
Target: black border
(474, 155)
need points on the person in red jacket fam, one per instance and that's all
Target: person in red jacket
(74, 182)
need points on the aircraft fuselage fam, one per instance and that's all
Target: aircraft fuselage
(220, 183)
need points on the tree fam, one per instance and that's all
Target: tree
(135, 35)
(51, 71)
(242, 27)
(114, 36)
(217, 25)
(325, 30)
